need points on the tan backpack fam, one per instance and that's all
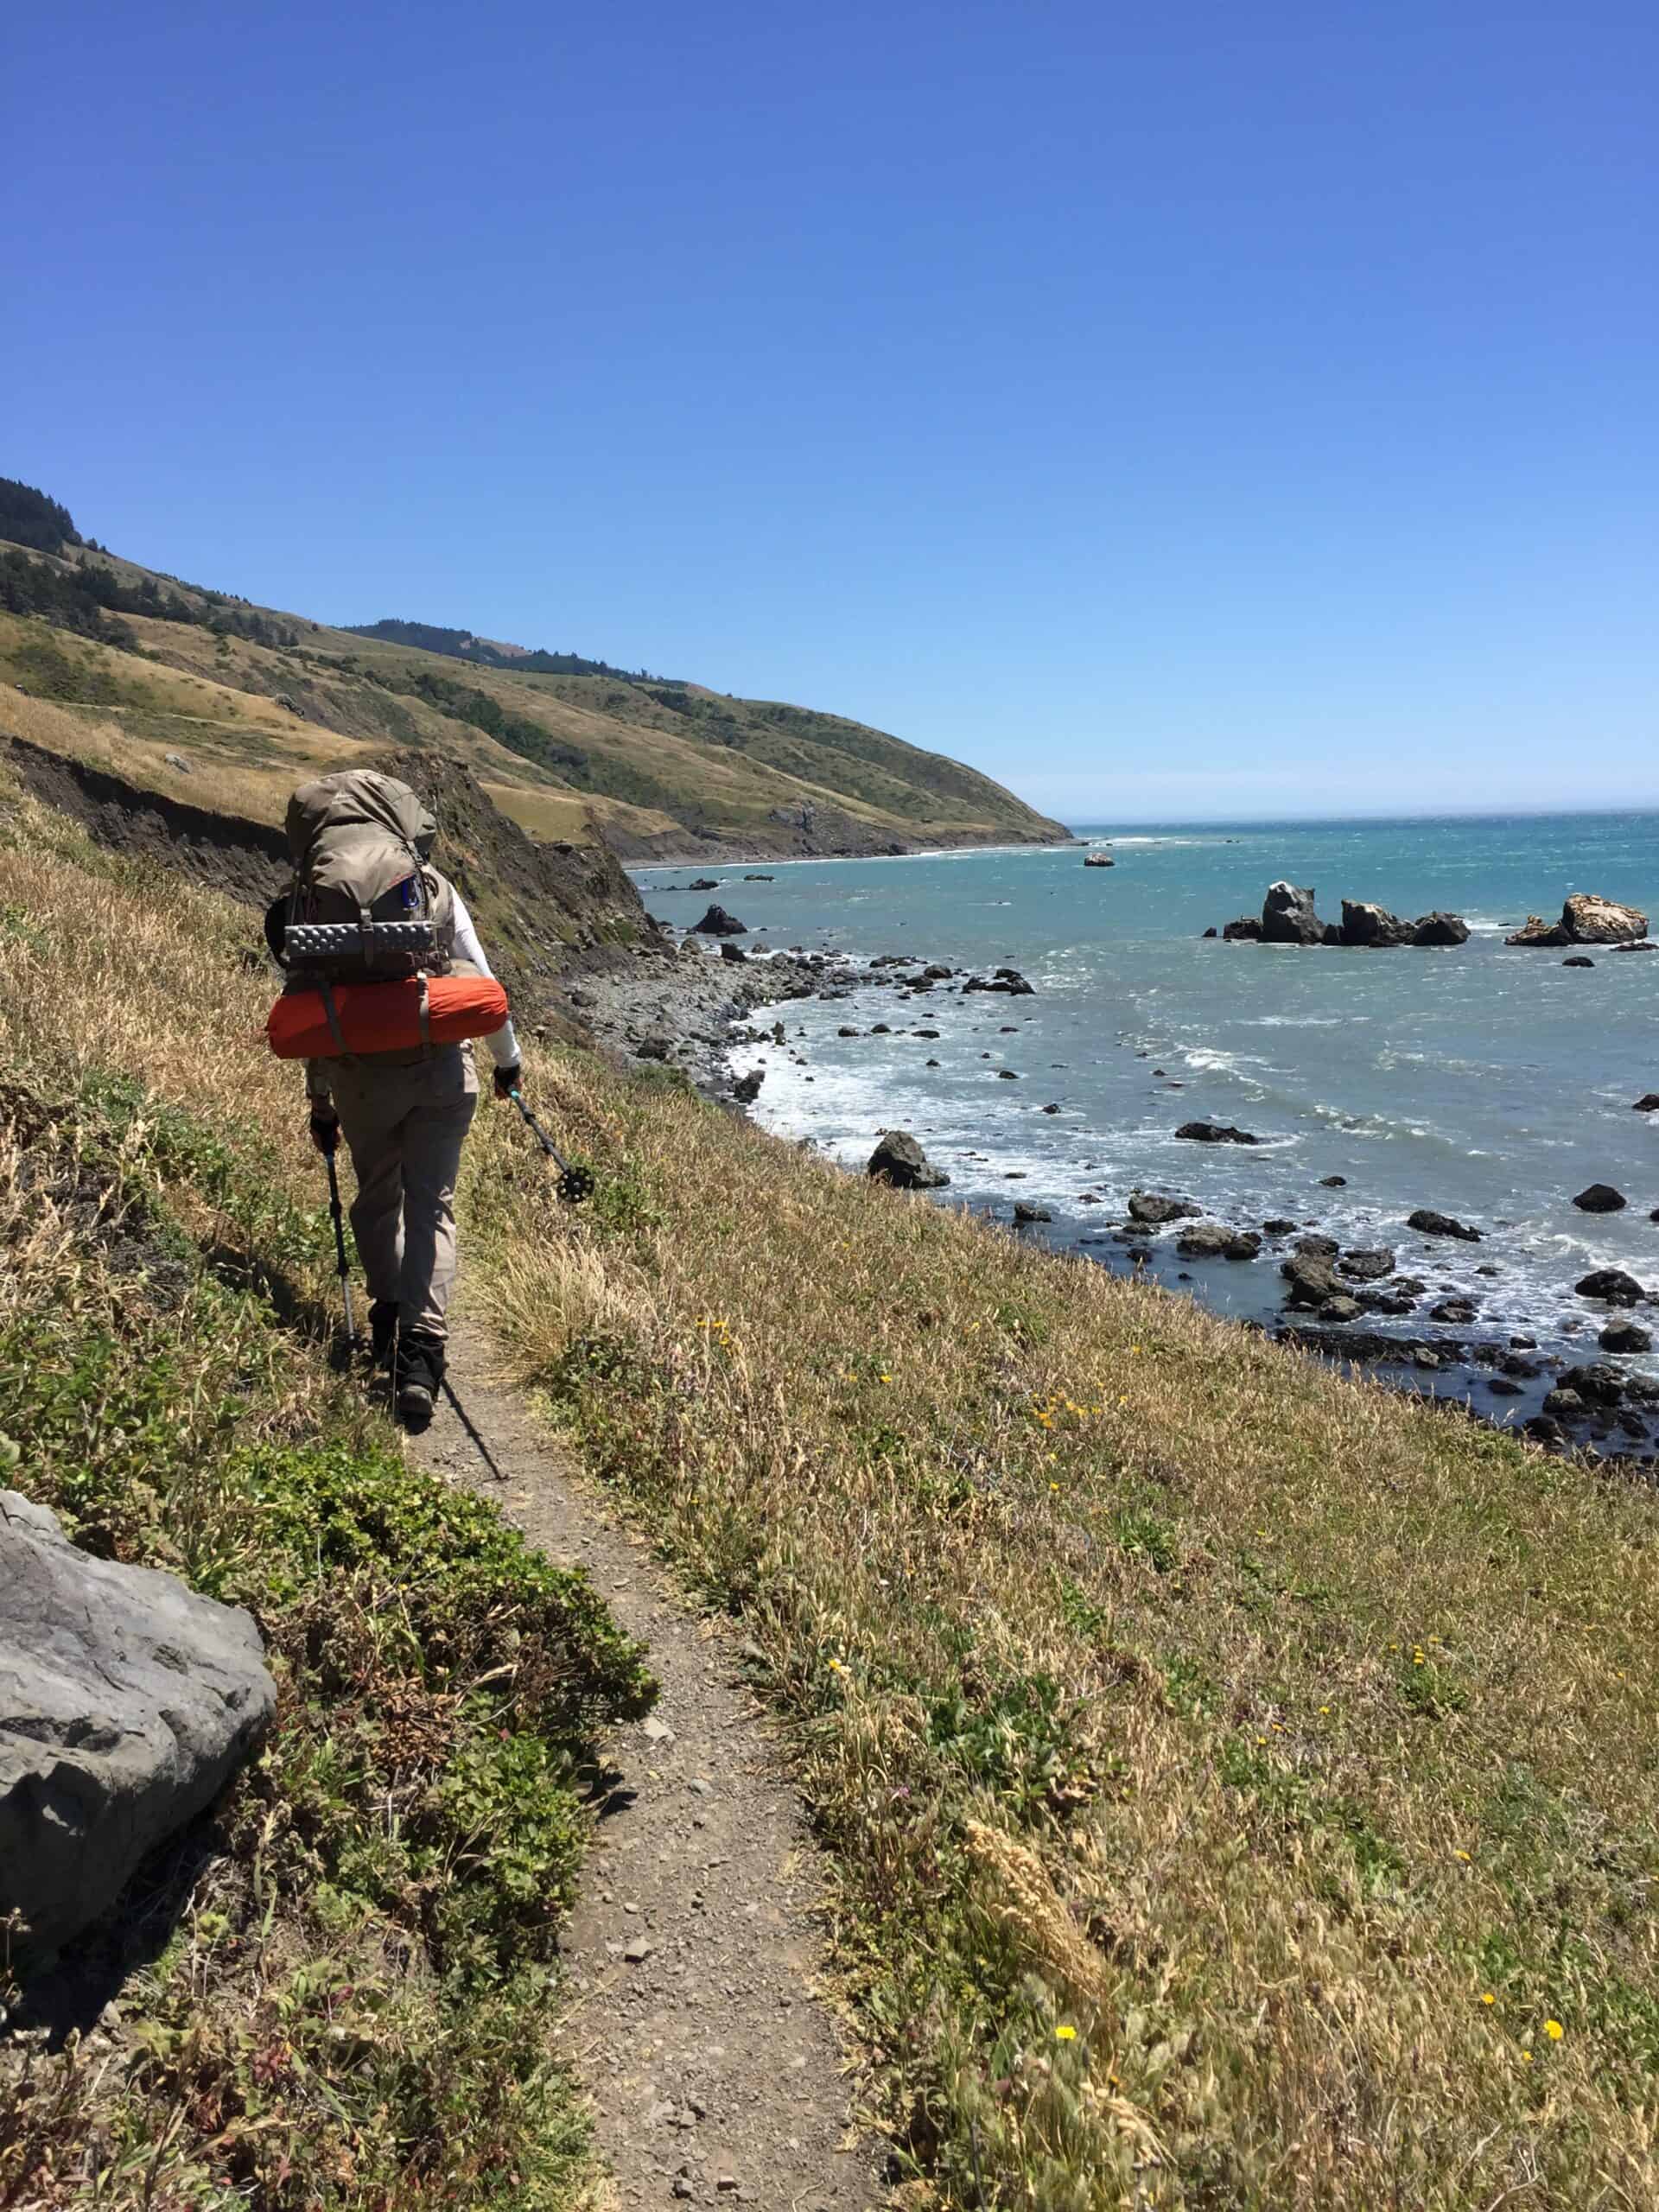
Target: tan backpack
(366, 906)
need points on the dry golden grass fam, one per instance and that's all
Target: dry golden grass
(1232, 1772)
(1235, 1771)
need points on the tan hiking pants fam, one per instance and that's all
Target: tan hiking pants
(406, 1127)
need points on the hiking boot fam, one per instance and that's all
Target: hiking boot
(419, 1376)
(383, 1329)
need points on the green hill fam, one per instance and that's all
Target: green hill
(139, 671)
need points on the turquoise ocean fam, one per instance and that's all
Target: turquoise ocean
(1490, 1082)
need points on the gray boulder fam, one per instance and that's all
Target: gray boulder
(1287, 917)
(1153, 1209)
(127, 1701)
(1214, 1240)
(899, 1159)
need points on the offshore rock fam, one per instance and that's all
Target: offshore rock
(718, 923)
(1287, 917)
(1428, 1223)
(127, 1701)
(1586, 920)
(1601, 1197)
(1215, 1133)
(1364, 924)
(1439, 928)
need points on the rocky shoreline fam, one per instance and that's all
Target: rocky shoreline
(702, 1011)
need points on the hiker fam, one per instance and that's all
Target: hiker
(368, 908)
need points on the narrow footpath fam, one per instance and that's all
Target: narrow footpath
(718, 2074)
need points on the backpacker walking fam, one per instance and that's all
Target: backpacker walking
(385, 977)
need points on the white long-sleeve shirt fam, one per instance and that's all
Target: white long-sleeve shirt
(504, 1044)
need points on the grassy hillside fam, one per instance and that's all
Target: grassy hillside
(341, 1996)
(1239, 1780)
(145, 666)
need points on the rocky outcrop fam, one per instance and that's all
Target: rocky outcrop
(1214, 1240)
(1611, 1286)
(899, 1159)
(126, 1703)
(1287, 917)
(718, 923)
(1153, 1210)
(1215, 1133)
(1601, 1197)
(1586, 918)
(1008, 981)
(1439, 928)
(1364, 924)
(1098, 860)
(1428, 1223)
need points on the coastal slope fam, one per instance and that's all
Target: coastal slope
(161, 680)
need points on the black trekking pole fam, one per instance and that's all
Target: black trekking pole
(576, 1183)
(339, 1245)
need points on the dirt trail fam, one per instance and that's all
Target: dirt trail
(717, 2073)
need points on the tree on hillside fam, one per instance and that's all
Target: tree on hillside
(29, 518)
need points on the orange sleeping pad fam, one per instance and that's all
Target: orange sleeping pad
(385, 1017)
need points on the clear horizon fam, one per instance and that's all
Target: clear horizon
(1227, 416)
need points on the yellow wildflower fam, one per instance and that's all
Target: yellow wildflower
(1554, 2031)
(1487, 1997)
(1066, 2035)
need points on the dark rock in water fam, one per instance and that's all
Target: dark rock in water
(1366, 1267)
(1098, 860)
(845, 1032)
(1317, 1247)
(1152, 1208)
(1565, 1405)
(1597, 1383)
(1277, 1228)
(1214, 1133)
(1528, 1370)
(1333, 1182)
(729, 951)
(1287, 917)
(1247, 930)
(705, 883)
(1332, 935)
(935, 974)
(1440, 929)
(1212, 931)
(1611, 1286)
(746, 1089)
(1364, 924)
(760, 879)
(929, 1033)
(1428, 1223)
(1051, 1110)
(1340, 1308)
(881, 1029)
(1501, 1387)
(1460, 1310)
(652, 1048)
(1544, 1430)
(1008, 981)
(1649, 1104)
(1024, 1212)
(1638, 944)
(1577, 960)
(1214, 1240)
(1601, 1197)
(1625, 1337)
(718, 923)
(1007, 1074)
(899, 1159)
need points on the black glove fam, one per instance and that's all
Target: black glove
(325, 1126)
(507, 1080)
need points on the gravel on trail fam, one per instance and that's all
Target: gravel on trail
(719, 2072)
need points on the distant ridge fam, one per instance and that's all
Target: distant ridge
(154, 679)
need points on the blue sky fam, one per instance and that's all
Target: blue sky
(1204, 410)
